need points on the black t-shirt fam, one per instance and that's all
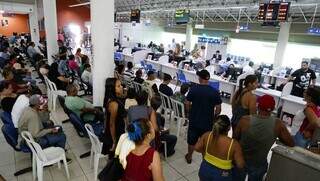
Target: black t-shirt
(139, 80)
(166, 90)
(203, 98)
(63, 50)
(302, 78)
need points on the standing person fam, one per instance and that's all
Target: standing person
(62, 55)
(219, 151)
(302, 79)
(244, 101)
(143, 163)
(257, 134)
(204, 103)
(78, 56)
(115, 115)
(305, 134)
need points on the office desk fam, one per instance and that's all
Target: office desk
(292, 104)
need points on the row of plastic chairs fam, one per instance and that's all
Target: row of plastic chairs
(173, 109)
(53, 93)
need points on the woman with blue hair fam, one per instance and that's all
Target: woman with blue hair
(143, 162)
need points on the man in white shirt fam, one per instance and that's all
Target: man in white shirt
(21, 103)
(248, 69)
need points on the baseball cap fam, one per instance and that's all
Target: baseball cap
(36, 100)
(203, 74)
(266, 103)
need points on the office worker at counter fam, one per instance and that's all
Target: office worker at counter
(302, 79)
(217, 56)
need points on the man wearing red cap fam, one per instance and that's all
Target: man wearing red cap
(257, 134)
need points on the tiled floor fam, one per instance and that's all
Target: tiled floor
(174, 168)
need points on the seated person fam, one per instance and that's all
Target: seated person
(130, 100)
(30, 121)
(6, 90)
(87, 75)
(21, 103)
(138, 77)
(9, 77)
(164, 88)
(142, 110)
(72, 64)
(60, 80)
(170, 139)
(229, 73)
(151, 83)
(129, 74)
(80, 106)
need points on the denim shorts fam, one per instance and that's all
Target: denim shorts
(209, 172)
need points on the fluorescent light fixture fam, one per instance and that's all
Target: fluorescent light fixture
(77, 5)
(199, 26)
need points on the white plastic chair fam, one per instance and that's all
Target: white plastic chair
(287, 89)
(44, 157)
(53, 93)
(179, 114)
(166, 106)
(137, 86)
(96, 148)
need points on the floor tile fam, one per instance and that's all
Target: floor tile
(182, 167)
(170, 173)
(193, 176)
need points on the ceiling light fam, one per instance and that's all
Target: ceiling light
(2, 11)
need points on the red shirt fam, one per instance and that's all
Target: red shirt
(305, 123)
(138, 167)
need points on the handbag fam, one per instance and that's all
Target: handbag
(113, 171)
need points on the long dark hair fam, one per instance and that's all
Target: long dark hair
(243, 84)
(314, 94)
(110, 90)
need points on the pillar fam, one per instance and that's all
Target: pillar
(283, 38)
(33, 24)
(189, 33)
(51, 28)
(102, 24)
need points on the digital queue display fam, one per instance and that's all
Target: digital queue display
(272, 12)
(135, 15)
(182, 16)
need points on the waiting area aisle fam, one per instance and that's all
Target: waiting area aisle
(175, 167)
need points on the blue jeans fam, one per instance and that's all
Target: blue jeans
(300, 141)
(53, 139)
(255, 173)
(209, 172)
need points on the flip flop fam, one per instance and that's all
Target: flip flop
(188, 160)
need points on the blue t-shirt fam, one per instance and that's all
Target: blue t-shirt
(204, 98)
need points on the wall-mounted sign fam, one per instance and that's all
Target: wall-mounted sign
(208, 40)
(313, 31)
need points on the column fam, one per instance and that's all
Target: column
(102, 24)
(51, 28)
(189, 33)
(283, 38)
(33, 24)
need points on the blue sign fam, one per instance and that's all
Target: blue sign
(244, 28)
(208, 40)
(314, 31)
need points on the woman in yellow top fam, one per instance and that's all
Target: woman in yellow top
(219, 152)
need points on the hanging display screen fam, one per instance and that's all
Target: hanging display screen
(135, 15)
(182, 16)
(273, 12)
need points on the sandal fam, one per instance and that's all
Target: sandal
(188, 160)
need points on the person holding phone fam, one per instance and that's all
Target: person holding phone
(30, 121)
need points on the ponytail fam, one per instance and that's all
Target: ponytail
(138, 130)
